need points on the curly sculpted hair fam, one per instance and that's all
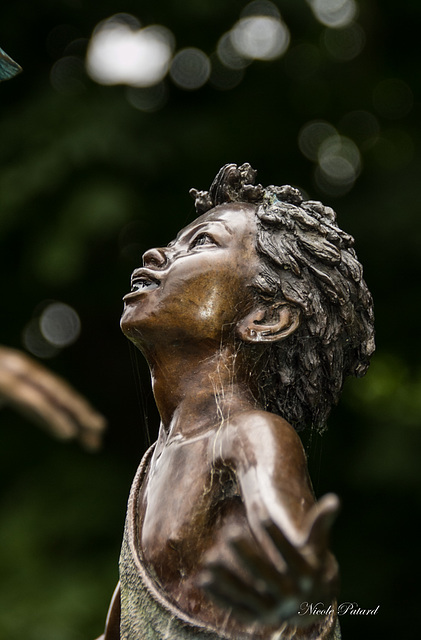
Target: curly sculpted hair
(309, 261)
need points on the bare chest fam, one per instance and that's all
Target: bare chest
(186, 499)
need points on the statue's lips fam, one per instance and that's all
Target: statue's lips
(142, 282)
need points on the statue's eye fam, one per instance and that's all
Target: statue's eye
(201, 239)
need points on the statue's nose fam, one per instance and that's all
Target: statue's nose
(155, 258)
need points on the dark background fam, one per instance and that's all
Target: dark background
(88, 182)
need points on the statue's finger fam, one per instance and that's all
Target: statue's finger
(233, 591)
(260, 568)
(297, 564)
(320, 522)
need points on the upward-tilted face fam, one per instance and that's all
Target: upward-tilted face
(199, 286)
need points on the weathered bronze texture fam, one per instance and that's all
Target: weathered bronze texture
(249, 320)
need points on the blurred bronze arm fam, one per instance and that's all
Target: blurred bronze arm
(47, 399)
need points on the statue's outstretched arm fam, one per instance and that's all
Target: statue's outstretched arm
(287, 562)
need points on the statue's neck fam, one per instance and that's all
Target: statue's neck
(194, 391)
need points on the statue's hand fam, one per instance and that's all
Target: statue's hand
(277, 574)
(44, 397)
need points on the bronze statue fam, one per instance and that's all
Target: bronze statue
(249, 320)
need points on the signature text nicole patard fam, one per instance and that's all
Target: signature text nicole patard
(345, 608)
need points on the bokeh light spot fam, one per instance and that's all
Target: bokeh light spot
(60, 324)
(334, 13)
(148, 99)
(190, 68)
(228, 54)
(68, 76)
(119, 53)
(260, 8)
(346, 43)
(223, 77)
(337, 153)
(339, 164)
(312, 135)
(260, 37)
(35, 342)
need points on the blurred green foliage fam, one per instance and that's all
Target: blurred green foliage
(88, 182)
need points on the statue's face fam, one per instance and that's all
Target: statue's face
(199, 286)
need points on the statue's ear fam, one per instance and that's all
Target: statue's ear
(269, 323)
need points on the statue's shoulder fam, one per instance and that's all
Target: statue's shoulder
(257, 431)
(257, 422)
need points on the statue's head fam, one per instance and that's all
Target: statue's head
(308, 264)
(271, 274)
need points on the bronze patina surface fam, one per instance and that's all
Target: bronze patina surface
(249, 320)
